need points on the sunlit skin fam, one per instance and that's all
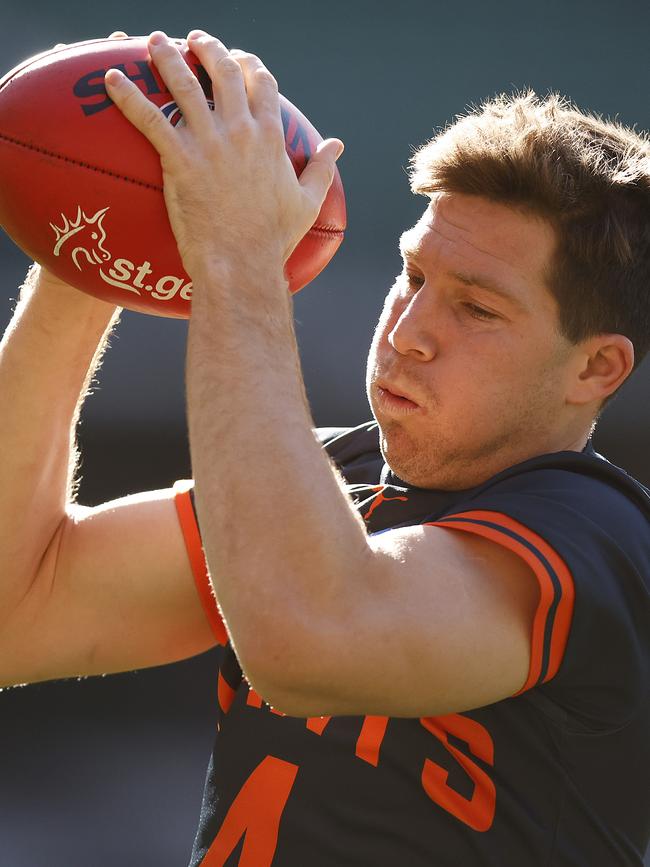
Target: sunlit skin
(488, 374)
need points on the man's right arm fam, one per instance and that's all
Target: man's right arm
(82, 590)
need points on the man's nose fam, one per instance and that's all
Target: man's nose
(412, 334)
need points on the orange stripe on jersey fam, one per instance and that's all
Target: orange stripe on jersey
(225, 693)
(192, 537)
(555, 609)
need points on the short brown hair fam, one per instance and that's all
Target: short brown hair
(590, 178)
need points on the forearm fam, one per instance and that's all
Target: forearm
(280, 535)
(238, 211)
(47, 355)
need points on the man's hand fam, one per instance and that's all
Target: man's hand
(229, 185)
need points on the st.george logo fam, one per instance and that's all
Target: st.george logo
(83, 238)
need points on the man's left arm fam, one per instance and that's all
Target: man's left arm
(325, 620)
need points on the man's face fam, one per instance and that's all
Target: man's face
(467, 372)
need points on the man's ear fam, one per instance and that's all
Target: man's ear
(604, 363)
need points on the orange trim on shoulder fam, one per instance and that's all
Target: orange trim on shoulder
(466, 521)
(192, 537)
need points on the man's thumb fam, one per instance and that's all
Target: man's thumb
(316, 178)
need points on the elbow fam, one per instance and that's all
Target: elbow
(290, 701)
(298, 650)
(302, 700)
(287, 672)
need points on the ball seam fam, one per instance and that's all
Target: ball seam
(79, 163)
(325, 230)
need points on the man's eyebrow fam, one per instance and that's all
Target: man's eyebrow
(484, 282)
(481, 281)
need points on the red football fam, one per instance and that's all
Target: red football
(81, 188)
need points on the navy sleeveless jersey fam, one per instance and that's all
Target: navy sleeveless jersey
(556, 775)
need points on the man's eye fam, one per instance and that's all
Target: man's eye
(415, 281)
(478, 312)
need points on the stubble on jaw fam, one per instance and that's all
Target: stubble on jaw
(522, 426)
(436, 465)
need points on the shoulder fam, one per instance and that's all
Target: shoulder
(584, 527)
(575, 499)
(585, 479)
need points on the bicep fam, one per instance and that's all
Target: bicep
(443, 624)
(472, 604)
(114, 591)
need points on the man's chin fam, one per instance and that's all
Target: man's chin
(420, 467)
(405, 460)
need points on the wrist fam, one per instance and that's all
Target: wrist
(228, 253)
(59, 302)
(246, 281)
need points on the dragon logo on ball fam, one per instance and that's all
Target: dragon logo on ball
(87, 229)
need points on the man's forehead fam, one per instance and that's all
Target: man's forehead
(466, 230)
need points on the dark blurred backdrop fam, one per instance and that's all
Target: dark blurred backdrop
(109, 771)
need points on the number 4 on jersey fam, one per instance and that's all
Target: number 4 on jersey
(255, 812)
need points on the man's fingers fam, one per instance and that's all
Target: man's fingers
(225, 74)
(317, 176)
(261, 86)
(136, 108)
(181, 81)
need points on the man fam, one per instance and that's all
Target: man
(444, 661)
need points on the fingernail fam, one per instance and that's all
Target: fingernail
(157, 37)
(114, 77)
(340, 150)
(196, 35)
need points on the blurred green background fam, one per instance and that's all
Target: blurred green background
(110, 771)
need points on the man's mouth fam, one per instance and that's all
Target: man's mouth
(395, 399)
